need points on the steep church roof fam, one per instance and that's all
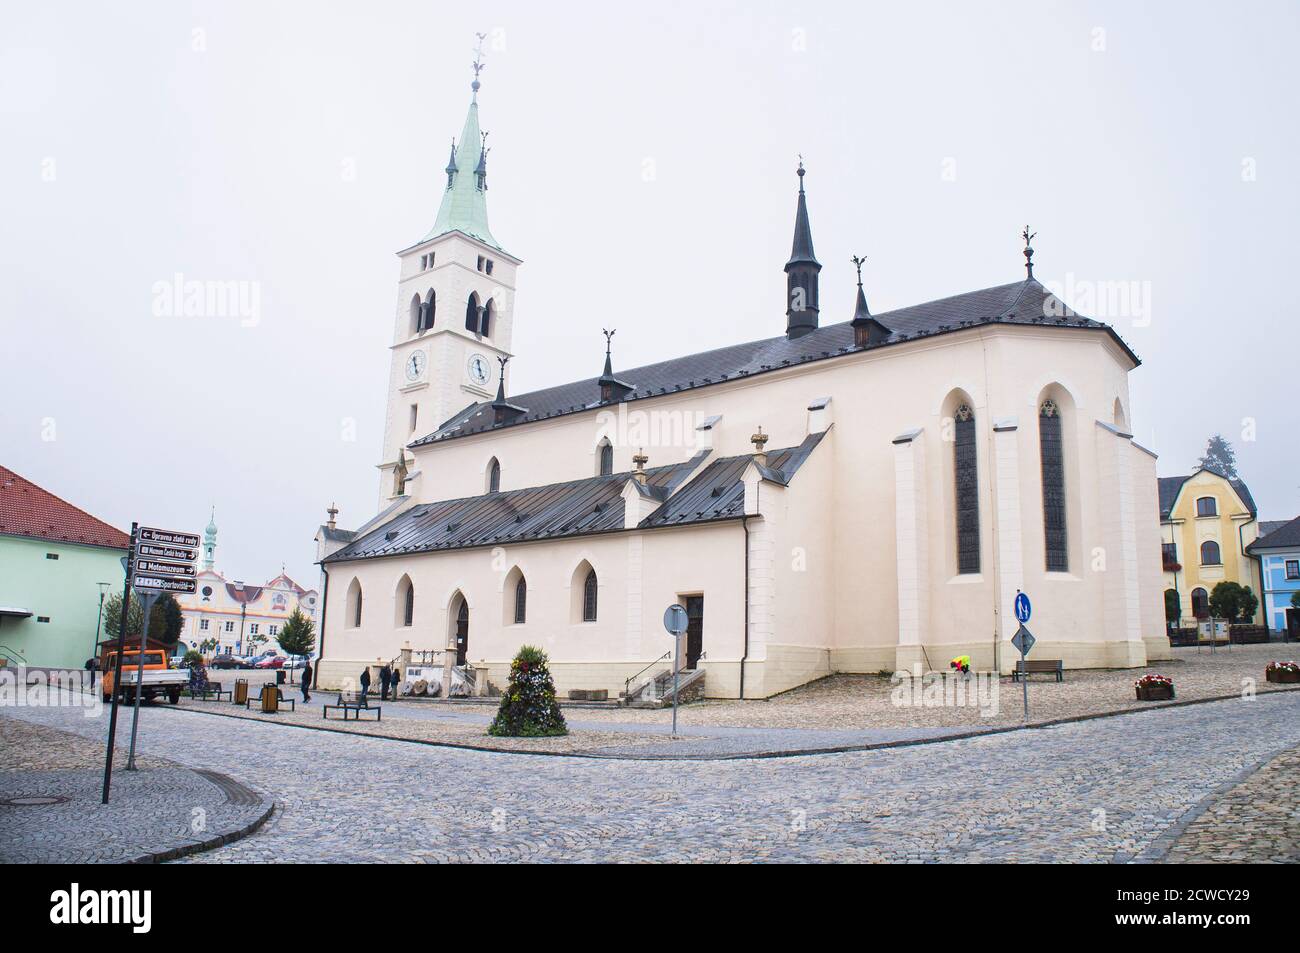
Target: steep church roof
(464, 200)
(1020, 303)
(577, 508)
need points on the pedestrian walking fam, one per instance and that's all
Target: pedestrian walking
(397, 680)
(306, 680)
(385, 679)
(365, 682)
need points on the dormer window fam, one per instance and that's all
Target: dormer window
(1207, 506)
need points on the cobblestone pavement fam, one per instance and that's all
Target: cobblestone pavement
(1258, 821)
(1107, 790)
(50, 810)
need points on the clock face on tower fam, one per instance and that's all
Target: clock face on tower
(479, 371)
(415, 366)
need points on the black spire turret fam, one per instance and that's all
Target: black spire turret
(611, 388)
(867, 331)
(801, 273)
(480, 173)
(502, 410)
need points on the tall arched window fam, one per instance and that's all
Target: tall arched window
(1052, 458)
(589, 587)
(606, 458)
(489, 313)
(416, 310)
(966, 475)
(472, 313)
(1210, 553)
(521, 601)
(494, 476)
(405, 614)
(428, 310)
(352, 616)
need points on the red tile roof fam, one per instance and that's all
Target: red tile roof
(27, 510)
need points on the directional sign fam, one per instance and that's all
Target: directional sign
(1023, 640)
(167, 552)
(168, 537)
(1023, 608)
(161, 567)
(154, 584)
(675, 620)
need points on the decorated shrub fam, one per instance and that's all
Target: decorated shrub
(529, 708)
(1154, 687)
(1284, 672)
(198, 671)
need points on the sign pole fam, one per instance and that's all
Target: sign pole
(147, 601)
(677, 668)
(117, 666)
(1024, 679)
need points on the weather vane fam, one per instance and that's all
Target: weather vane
(1029, 251)
(608, 337)
(858, 262)
(478, 63)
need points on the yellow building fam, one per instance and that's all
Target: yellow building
(1206, 522)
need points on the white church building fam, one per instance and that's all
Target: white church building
(855, 493)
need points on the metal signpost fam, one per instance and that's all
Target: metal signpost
(675, 621)
(161, 561)
(117, 662)
(1023, 640)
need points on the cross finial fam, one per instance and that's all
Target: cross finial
(1029, 251)
(478, 63)
(858, 261)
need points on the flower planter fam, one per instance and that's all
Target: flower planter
(1154, 693)
(1282, 676)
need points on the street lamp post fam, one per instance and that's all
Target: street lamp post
(103, 587)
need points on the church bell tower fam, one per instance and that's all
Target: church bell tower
(455, 308)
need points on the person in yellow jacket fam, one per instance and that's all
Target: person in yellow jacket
(961, 664)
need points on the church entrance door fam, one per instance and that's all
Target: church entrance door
(694, 630)
(462, 631)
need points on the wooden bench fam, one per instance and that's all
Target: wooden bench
(214, 688)
(1182, 636)
(355, 702)
(1042, 666)
(257, 698)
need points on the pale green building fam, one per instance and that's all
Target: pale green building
(55, 561)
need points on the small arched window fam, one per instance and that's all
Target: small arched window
(606, 458)
(589, 588)
(1207, 506)
(1210, 553)
(1200, 603)
(966, 475)
(472, 313)
(521, 601)
(494, 476)
(1052, 460)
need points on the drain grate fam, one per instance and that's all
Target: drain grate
(33, 800)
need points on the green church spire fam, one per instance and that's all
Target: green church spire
(464, 202)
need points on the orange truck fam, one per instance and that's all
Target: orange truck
(157, 678)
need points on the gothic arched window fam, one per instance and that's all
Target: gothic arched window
(428, 310)
(606, 458)
(472, 313)
(1052, 459)
(966, 476)
(417, 311)
(521, 601)
(494, 476)
(589, 597)
(408, 610)
(489, 312)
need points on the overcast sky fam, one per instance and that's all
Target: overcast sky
(643, 167)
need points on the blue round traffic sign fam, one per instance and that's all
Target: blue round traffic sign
(1023, 608)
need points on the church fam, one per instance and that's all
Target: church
(855, 493)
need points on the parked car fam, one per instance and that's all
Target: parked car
(226, 660)
(270, 661)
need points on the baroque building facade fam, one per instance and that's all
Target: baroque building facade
(855, 494)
